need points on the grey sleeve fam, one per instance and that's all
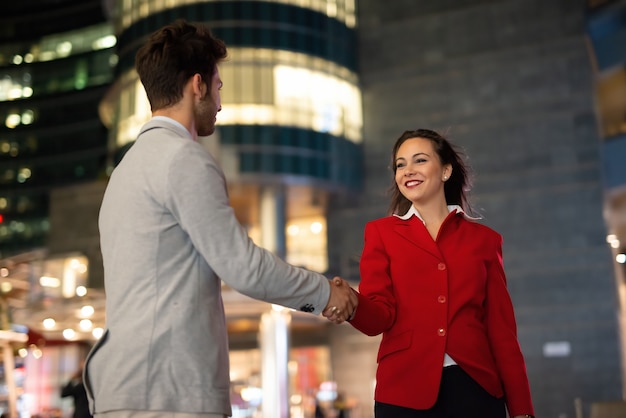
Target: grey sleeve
(198, 198)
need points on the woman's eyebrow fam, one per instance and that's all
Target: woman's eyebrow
(413, 156)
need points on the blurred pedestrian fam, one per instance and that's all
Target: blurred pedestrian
(319, 411)
(340, 406)
(75, 389)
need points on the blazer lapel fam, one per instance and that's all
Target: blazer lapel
(414, 231)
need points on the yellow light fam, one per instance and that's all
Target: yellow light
(108, 41)
(86, 311)
(69, 334)
(250, 393)
(12, 120)
(316, 227)
(37, 353)
(47, 281)
(85, 324)
(296, 399)
(28, 116)
(97, 332)
(278, 308)
(64, 48)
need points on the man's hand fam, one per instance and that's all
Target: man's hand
(342, 302)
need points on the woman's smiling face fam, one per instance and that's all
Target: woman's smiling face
(420, 176)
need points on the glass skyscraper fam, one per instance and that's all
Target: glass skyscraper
(289, 133)
(56, 61)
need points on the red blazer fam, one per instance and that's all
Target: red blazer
(430, 297)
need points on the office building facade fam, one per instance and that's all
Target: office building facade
(289, 131)
(606, 34)
(512, 83)
(56, 61)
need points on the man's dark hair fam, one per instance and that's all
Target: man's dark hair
(174, 54)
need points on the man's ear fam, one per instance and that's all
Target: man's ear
(198, 85)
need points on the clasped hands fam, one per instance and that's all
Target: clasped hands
(342, 301)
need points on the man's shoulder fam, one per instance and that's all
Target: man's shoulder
(167, 142)
(162, 133)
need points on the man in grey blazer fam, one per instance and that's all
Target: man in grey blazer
(168, 238)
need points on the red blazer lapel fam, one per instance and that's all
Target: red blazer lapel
(414, 231)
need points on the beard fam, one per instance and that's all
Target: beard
(205, 113)
(206, 128)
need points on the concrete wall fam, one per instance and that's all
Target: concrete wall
(353, 361)
(510, 82)
(608, 410)
(74, 225)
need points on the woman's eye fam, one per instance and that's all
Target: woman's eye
(420, 160)
(399, 165)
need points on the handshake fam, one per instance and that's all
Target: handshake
(342, 302)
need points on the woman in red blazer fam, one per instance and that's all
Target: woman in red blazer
(433, 283)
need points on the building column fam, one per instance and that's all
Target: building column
(274, 327)
(274, 336)
(273, 219)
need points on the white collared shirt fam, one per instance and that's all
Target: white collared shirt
(412, 211)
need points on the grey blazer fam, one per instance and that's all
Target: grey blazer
(168, 235)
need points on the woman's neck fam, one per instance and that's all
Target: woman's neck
(433, 217)
(433, 214)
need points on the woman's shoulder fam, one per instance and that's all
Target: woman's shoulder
(478, 226)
